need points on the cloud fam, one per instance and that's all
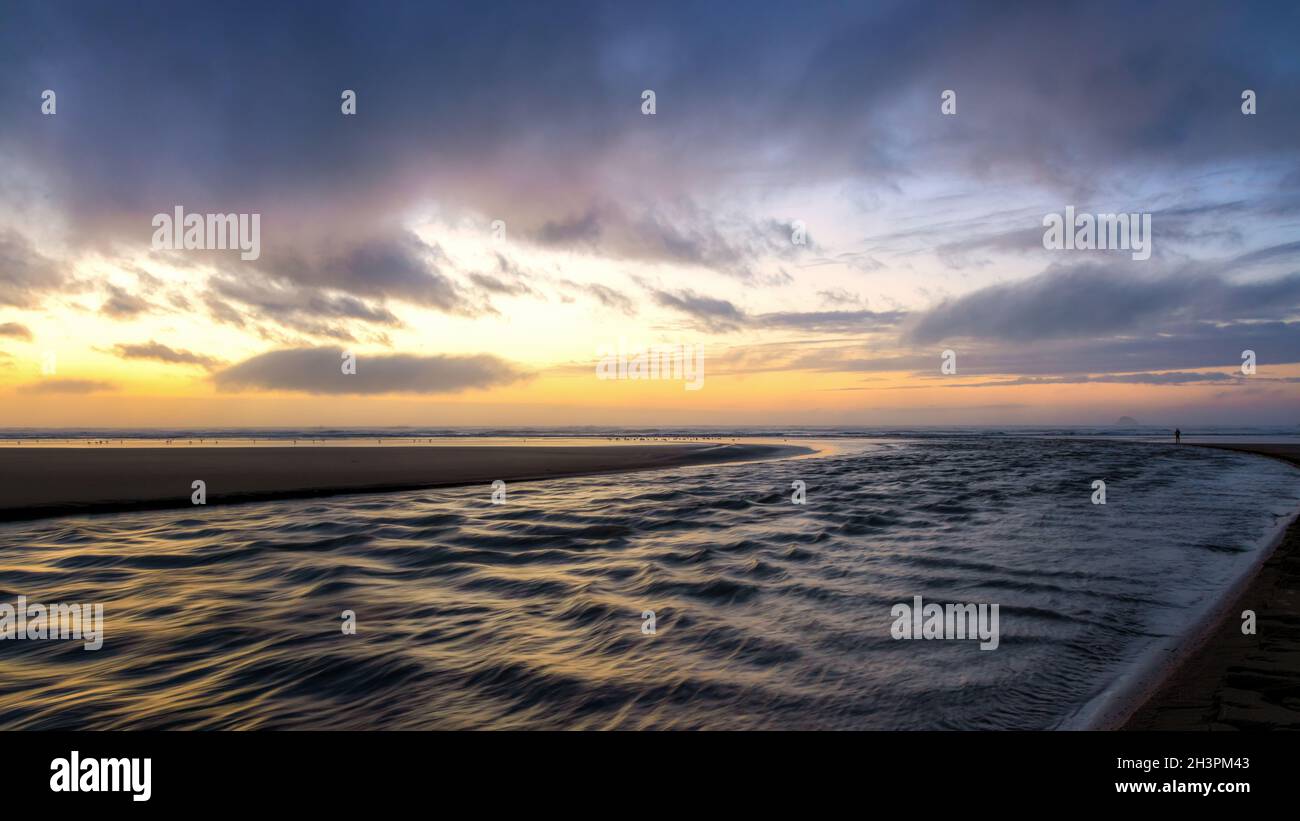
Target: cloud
(611, 298)
(581, 230)
(680, 233)
(161, 353)
(25, 275)
(955, 253)
(319, 371)
(715, 315)
(493, 285)
(400, 266)
(1191, 346)
(750, 105)
(843, 322)
(72, 386)
(393, 265)
(1283, 251)
(123, 305)
(333, 288)
(16, 330)
(761, 120)
(508, 281)
(721, 316)
(1168, 378)
(307, 310)
(854, 260)
(223, 312)
(839, 296)
(1020, 231)
(1089, 300)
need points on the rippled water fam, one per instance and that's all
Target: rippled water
(528, 614)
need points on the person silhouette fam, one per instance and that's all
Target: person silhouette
(1178, 436)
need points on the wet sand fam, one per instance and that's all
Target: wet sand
(1234, 681)
(37, 483)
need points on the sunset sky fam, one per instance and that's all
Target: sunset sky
(924, 231)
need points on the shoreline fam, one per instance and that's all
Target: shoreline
(46, 483)
(1219, 678)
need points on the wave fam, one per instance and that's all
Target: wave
(767, 614)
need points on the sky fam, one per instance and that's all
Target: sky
(501, 211)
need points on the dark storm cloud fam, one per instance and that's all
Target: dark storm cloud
(1198, 345)
(1187, 347)
(968, 242)
(530, 112)
(1194, 345)
(287, 303)
(319, 371)
(520, 107)
(683, 234)
(1093, 300)
(397, 265)
(326, 286)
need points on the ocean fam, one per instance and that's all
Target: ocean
(767, 614)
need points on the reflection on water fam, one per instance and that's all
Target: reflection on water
(528, 614)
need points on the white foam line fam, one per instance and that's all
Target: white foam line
(1110, 709)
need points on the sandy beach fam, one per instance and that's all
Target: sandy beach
(1233, 681)
(37, 483)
